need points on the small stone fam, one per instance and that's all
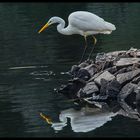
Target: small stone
(105, 75)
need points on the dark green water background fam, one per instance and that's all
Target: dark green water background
(24, 92)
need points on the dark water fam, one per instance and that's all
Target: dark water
(31, 66)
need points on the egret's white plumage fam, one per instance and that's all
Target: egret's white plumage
(83, 23)
(89, 23)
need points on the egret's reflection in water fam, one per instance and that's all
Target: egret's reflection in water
(83, 120)
(88, 119)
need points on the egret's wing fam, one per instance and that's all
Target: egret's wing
(86, 21)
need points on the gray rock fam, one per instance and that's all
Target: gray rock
(132, 52)
(138, 54)
(105, 75)
(100, 57)
(126, 90)
(83, 74)
(123, 62)
(92, 69)
(113, 89)
(116, 53)
(70, 90)
(136, 80)
(95, 76)
(128, 76)
(104, 84)
(83, 65)
(137, 91)
(123, 70)
(90, 88)
(112, 70)
(74, 70)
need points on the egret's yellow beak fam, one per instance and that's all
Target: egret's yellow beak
(44, 27)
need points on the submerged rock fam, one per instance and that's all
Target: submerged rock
(72, 88)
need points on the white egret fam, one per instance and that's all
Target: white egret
(83, 23)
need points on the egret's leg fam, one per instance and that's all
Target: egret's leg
(95, 41)
(84, 49)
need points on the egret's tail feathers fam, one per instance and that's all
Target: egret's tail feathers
(110, 26)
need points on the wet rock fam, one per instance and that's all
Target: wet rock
(83, 74)
(105, 75)
(128, 76)
(74, 70)
(72, 88)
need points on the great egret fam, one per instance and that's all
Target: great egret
(83, 23)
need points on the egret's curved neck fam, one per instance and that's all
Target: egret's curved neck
(61, 29)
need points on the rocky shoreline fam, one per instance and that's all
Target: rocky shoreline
(113, 76)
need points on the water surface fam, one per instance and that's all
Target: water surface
(31, 66)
